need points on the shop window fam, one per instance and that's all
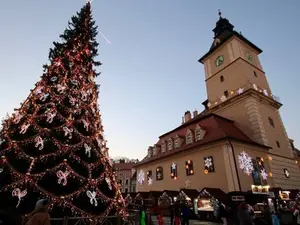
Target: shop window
(159, 173)
(189, 168)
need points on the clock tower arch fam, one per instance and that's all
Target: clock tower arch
(237, 88)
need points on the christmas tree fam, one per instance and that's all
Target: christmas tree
(53, 145)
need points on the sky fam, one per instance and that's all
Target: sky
(150, 72)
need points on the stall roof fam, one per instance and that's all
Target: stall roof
(171, 194)
(216, 193)
(191, 193)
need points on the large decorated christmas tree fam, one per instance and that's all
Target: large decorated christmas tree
(53, 145)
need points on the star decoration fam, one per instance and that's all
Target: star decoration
(265, 92)
(263, 174)
(255, 87)
(223, 98)
(173, 166)
(240, 91)
(245, 163)
(208, 162)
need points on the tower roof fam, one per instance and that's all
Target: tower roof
(224, 31)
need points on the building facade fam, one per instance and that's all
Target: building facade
(238, 141)
(125, 176)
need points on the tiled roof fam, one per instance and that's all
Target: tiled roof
(216, 128)
(124, 166)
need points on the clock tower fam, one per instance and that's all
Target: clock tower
(238, 89)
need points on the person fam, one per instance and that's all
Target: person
(176, 214)
(172, 214)
(243, 215)
(160, 219)
(297, 214)
(143, 216)
(10, 217)
(40, 215)
(275, 219)
(223, 213)
(185, 214)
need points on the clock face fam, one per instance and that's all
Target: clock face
(219, 60)
(249, 57)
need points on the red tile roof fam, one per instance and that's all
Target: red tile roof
(124, 166)
(216, 127)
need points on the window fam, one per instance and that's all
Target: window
(149, 175)
(198, 134)
(226, 94)
(126, 181)
(271, 122)
(221, 78)
(163, 147)
(177, 143)
(120, 182)
(126, 190)
(189, 137)
(278, 144)
(154, 151)
(170, 144)
(255, 173)
(254, 73)
(189, 168)
(174, 171)
(159, 173)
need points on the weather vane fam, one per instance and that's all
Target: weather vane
(220, 13)
(88, 1)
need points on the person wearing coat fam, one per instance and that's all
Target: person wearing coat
(244, 216)
(40, 215)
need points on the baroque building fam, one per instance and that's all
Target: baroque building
(238, 141)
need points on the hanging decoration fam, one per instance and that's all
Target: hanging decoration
(286, 173)
(68, 132)
(264, 174)
(19, 194)
(174, 171)
(189, 168)
(39, 143)
(85, 125)
(92, 196)
(149, 177)
(87, 150)
(24, 128)
(50, 116)
(17, 118)
(209, 164)
(141, 177)
(108, 181)
(245, 162)
(159, 173)
(62, 177)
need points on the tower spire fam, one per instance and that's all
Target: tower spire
(220, 13)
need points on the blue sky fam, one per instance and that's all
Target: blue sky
(150, 74)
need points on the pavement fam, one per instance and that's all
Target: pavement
(191, 222)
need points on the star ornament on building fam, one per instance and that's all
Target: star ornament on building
(173, 166)
(264, 174)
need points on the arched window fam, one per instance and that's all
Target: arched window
(159, 173)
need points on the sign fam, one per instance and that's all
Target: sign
(240, 198)
(259, 189)
(284, 195)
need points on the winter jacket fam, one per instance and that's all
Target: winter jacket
(244, 217)
(297, 214)
(40, 215)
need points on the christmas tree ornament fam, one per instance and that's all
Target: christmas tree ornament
(92, 196)
(87, 150)
(108, 181)
(39, 143)
(50, 116)
(38, 90)
(19, 194)
(44, 96)
(53, 79)
(264, 174)
(60, 88)
(68, 132)
(24, 128)
(85, 124)
(84, 96)
(72, 100)
(17, 118)
(62, 177)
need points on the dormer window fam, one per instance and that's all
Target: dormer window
(154, 151)
(170, 144)
(177, 143)
(150, 152)
(189, 137)
(163, 147)
(198, 133)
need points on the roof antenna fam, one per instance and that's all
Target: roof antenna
(220, 13)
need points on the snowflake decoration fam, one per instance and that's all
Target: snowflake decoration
(264, 174)
(245, 163)
(173, 166)
(255, 87)
(141, 177)
(265, 92)
(240, 91)
(223, 98)
(150, 181)
(208, 162)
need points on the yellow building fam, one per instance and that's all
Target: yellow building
(239, 140)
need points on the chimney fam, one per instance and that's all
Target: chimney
(195, 113)
(205, 104)
(187, 116)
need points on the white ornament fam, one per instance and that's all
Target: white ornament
(60, 88)
(255, 87)
(39, 143)
(108, 181)
(245, 163)
(85, 124)
(223, 98)
(89, 92)
(209, 105)
(17, 118)
(141, 177)
(264, 174)
(265, 92)
(87, 150)
(84, 96)
(24, 128)
(150, 181)
(173, 166)
(240, 91)
(62, 177)
(208, 162)
(50, 116)
(19, 194)
(38, 90)
(92, 195)
(74, 82)
(72, 100)
(53, 79)
(44, 96)
(68, 132)
(286, 173)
